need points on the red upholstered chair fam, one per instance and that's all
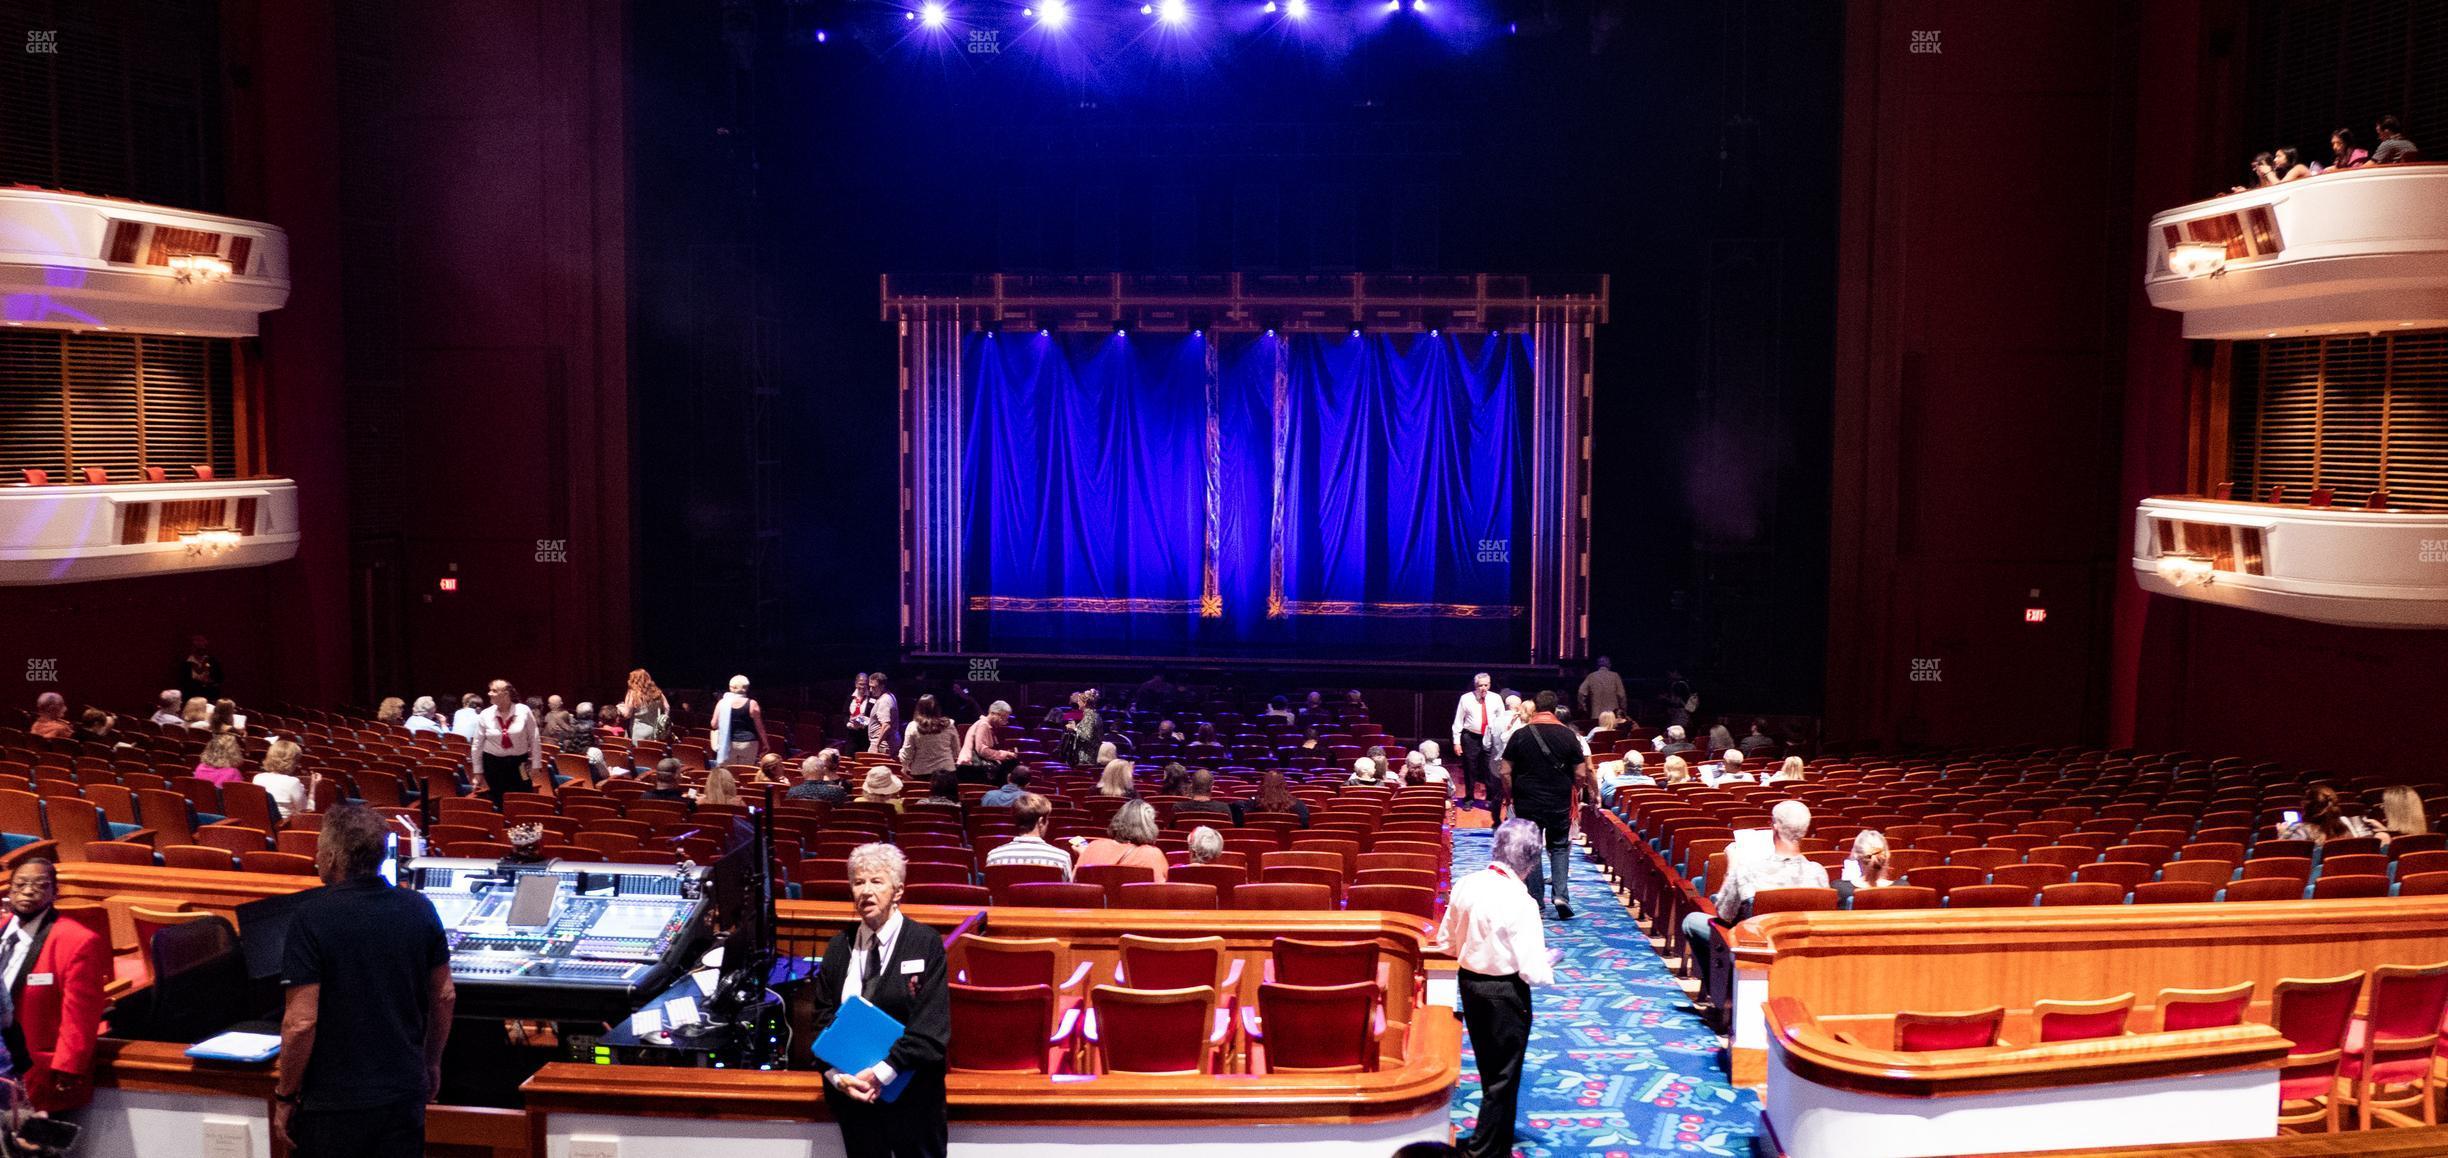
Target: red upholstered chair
(1058, 895)
(1155, 1031)
(203, 472)
(1111, 878)
(2153, 855)
(1988, 860)
(2294, 868)
(118, 852)
(2392, 1044)
(2175, 893)
(2031, 876)
(154, 474)
(2181, 1009)
(2073, 856)
(1925, 1032)
(1293, 961)
(2124, 874)
(1329, 879)
(2402, 846)
(2333, 888)
(276, 862)
(1313, 1028)
(2276, 847)
(234, 838)
(2082, 893)
(926, 872)
(1001, 877)
(1413, 901)
(1177, 963)
(2348, 846)
(199, 856)
(1145, 895)
(2081, 1020)
(1223, 876)
(1014, 1029)
(1895, 897)
(1945, 877)
(937, 894)
(1991, 897)
(36, 478)
(2345, 864)
(1285, 897)
(2410, 861)
(2431, 884)
(2209, 872)
(2313, 1015)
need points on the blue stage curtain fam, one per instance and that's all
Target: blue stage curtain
(1151, 495)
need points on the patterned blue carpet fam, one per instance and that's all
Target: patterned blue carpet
(1616, 1066)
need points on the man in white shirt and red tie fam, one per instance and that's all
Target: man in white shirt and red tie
(1492, 928)
(1476, 721)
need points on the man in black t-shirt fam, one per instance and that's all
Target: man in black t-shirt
(1541, 765)
(368, 973)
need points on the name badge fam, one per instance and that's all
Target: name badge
(906, 967)
(38, 979)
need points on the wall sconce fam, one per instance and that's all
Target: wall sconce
(2186, 570)
(191, 267)
(209, 542)
(2197, 259)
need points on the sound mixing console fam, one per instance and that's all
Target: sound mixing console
(563, 941)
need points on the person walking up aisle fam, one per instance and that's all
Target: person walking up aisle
(1492, 928)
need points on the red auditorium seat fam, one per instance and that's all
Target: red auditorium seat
(1990, 897)
(2294, 868)
(2430, 884)
(1148, 895)
(2123, 874)
(2031, 876)
(1111, 878)
(1945, 878)
(1986, 860)
(2337, 888)
(2082, 893)
(1001, 877)
(946, 894)
(1223, 876)
(1895, 897)
(1155, 1031)
(154, 474)
(1009, 1029)
(2313, 1015)
(2082, 1020)
(2393, 1042)
(2347, 846)
(1313, 1028)
(1058, 895)
(118, 852)
(2354, 864)
(1413, 901)
(234, 838)
(2265, 889)
(1327, 878)
(2175, 892)
(202, 471)
(1290, 898)
(2181, 1009)
(36, 478)
(276, 862)
(2208, 872)
(199, 856)
(1925, 1032)
(1145, 962)
(922, 872)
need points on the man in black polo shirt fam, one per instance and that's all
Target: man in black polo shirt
(1540, 766)
(368, 973)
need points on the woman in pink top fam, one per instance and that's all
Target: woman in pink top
(1133, 842)
(222, 755)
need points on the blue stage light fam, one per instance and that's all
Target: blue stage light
(820, 36)
(1269, 6)
(1297, 9)
(1433, 333)
(1174, 12)
(1054, 14)
(934, 15)
(1419, 5)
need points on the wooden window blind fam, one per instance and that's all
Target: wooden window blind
(2353, 414)
(121, 402)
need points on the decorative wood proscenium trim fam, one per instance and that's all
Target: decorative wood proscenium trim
(1813, 1054)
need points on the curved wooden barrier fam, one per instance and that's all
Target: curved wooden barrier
(1815, 1053)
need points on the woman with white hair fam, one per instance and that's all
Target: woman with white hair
(1129, 840)
(1206, 844)
(738, 734)
(1432, 764)
(1117, 780)
(896, 965)
(424, 717)
(1491, 927)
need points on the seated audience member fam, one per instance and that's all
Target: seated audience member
(221, 759)
(2342, 151)
(820, 779)
(394, 710)
(1757, 740)
(423, 717)
(463, 721)
(882, 787)
(1168, 732)
(1364, 774)
(1107, 753)
(1678, 770)
(1206, 844)
(1031, 814)
(1009, 792)
(579, 731)
(944, 788)
(1870, 867)
(166, 709)
(1791, 770)
(1202, 799)
(1275, 796)
(1785, 868)
(1129, 840)
(1671, 741)
(1729, 770)
(984, 743)
(1628, 772)
(666, 781)
(2289, 164)
(1117, 780)
(279, 779)
(225, 716)
(1280, 708)
(1432, 764)
(1175, 780)
(2401, 812)
(721, 787)
(100, 727)
(1353, 699)
(557, 720)
(2394, 145)
(1414, 767)
(197, 714)
(1309, 738)
(2324, 818)
(51, 717)
(1719, 738)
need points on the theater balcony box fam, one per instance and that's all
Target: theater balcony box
(2361, 568)
(73, 261)
(2364, 250)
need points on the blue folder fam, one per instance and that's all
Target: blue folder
(237, 1047)
(859, 1037)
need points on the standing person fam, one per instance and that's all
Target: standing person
(1681, 700)
(738, 735)
(856, 740)
(983, 744)
(1542, 765)
(645, 706)
(54, 971)
(1602, 690)
(896, 965)
(1474, 726)
(199, 674)
(1086, 731)
(883, 713)
(506, 747)
(367, 961)
(1491, 927)
(929, 743)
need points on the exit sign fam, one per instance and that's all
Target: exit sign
(2030, 614)
(450, 584)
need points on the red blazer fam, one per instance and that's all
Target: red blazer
(61, 1017)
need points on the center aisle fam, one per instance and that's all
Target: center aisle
(1618, 1065)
